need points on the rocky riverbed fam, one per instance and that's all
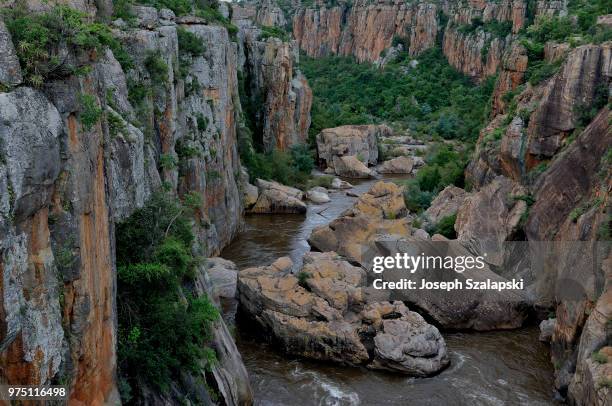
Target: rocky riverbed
(490, 368)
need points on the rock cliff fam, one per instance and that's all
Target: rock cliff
(279, 97)
(82, 152)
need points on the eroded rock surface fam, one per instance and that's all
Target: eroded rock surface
(322, 313)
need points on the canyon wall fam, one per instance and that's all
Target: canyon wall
(279, 97)
(553, 139)
(365, 29)
(65, 181)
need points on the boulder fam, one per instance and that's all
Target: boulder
(223, 276)
(272, 201)
(318, 195)
(353, 140)
(276, 198)
(351, 167)
(338, 183)
(445, 204)
(399, 165)
(384, 200)
(322, 313)
(250, 195)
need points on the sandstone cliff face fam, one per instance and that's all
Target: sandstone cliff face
(277, 91)
(545, 116)
(566, 184)
(63, 185)
(365, 29)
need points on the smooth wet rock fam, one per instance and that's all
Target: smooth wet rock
(351, 167)
(272, 201)
(318, 195)
(399, 165)
(322, 313)
(338, 183)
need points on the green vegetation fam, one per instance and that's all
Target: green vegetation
(431, 99)
(303, 279)
(90, 111)
(499, 29)
(599, 358)
(163, 329)
(157, 67)
(189, 43)
(446, 227)
(274, 32)
(444, 166)
(290, 168)
(38, 40)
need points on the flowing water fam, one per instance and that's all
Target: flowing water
(497, 368)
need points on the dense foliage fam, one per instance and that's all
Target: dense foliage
(40, 38)
(428, 97)
(163, 330)
(444, 166)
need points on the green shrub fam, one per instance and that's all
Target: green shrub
(274, 32)
(90, 111)
(37, 39)
(163, 330)
(599, 358)
(189, 43)
(157, 67)
(303, 279)
(446, 226)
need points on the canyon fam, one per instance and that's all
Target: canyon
(86, 149)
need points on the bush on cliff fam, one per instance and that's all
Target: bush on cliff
(39, 39)
(163, 330)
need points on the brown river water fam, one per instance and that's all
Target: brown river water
(497, 368)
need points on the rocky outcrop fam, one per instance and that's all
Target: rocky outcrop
(265, 13)
(277, 198)
(398, 165)
(10, 71)
(369, 31)
(350, 166)
(364, 29)
(65, 182)
(323, 314)
(446, 204)
(511, 75)
(545, 116)
(278, 94)
(355, 140)
(477, 54)
(491, 216)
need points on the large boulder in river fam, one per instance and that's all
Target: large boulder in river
(354, 140)
(399, 165)
(322, 313)
(275, 198)
(351, 167)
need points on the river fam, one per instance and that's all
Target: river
(496, 368)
